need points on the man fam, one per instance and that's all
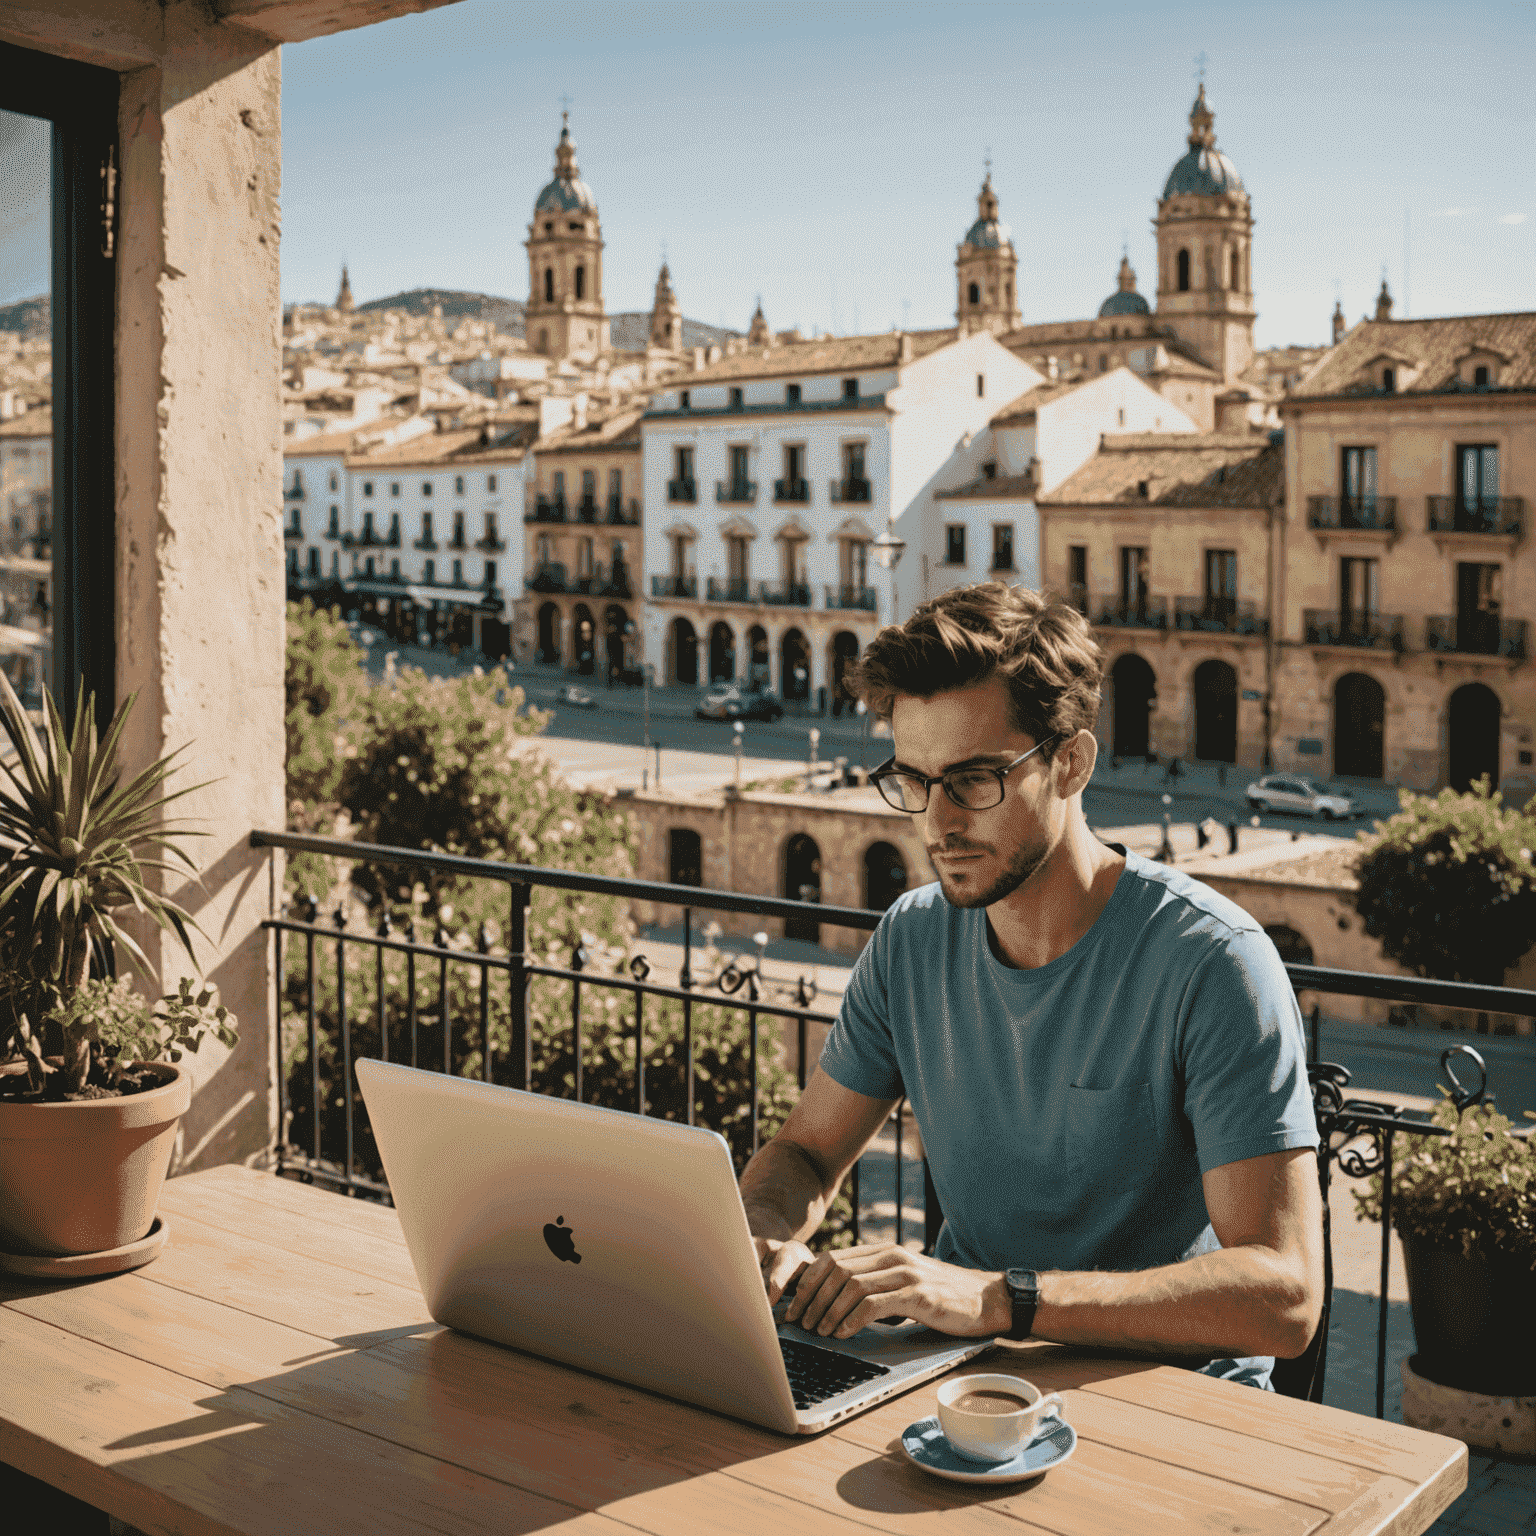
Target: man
(1105, 1057)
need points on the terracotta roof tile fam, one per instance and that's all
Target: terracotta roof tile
(1204, 469)
(998, 488)
(1432, 347)
(826, 354)
(1020, 412)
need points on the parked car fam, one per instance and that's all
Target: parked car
(718, 702)
(577, 698)
(1296, 793)
(1518, 790)
(760, 705)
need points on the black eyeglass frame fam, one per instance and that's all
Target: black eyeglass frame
(889, 770)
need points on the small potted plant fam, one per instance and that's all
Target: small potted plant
(1464, 1205)
(90, 1086)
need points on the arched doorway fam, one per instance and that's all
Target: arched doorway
(615, 624)
(1472, 736)
(1294, 950)
(584, 639)
(843, 652)
(802, 882)
(1216, 712)
(758, 668)
(685, 653)
(722, 653)
(795, 666)
(685, 857)
(885, 875)
(1359, 709)
(549, 632)
(1134, 687)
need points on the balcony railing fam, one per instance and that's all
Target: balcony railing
(732, 591)
(333, 529)
(546, 510)
(426, 541)
(674, 586)
(491, 544)
(1372, 631)
(682, 490)
(1477, 514)
(849, 488)
(293, 528)
(371, 538)
(844, 596)
(619, 516)
(729, 491)
(457, 541)
(399, 1003)
(1219, 615)
(784, 594)
(586, 510)
(294, 493)
(1147, 612)
(549, 577)
(1346, 512)
(1476, 634)
(791, 490)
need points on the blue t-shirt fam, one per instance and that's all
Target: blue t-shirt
(1068, 1111)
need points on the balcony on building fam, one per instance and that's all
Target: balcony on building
(491, 543)
(1489, 516)
(1352, 514)
(333, 528)
(295, 492)
(621, 517)
(1367, 631)
(727, 491)
(546, 509)
(458, 541)
(856, 597)
(736, 590)
(792, 490)
(548, 577)
(1146, 612)
(674, 586)
(682, 490)
(293, 529)
(1219, 615)
(1077, 597)
(426, 541)
(849, 488)
(1475, 634)
(586, 510)
(784, 594)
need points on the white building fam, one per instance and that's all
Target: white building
(26, 549)
(982, 522)
(767, 475)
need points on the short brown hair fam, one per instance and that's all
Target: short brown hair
(1041, 648)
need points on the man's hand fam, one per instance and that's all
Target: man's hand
(840, 1292)
(780, 1263)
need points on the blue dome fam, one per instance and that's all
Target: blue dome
(988, 234)
(1123, 303)
(566, 197)
(1204, 171)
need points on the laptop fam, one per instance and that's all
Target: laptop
(617, 1244)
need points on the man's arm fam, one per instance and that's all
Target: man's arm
(1261, 1294)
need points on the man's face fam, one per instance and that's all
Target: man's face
(980, 856)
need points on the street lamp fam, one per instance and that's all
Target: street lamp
(738, 729)
(888, 549)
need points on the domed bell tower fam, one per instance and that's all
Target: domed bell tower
(565, 315)
(986, 270)
(1204, 245)
(666, 315)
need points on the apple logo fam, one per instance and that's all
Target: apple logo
(560, 1241)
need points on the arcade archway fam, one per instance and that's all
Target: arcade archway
(685, 653)
(802, 882)
(885, 875)
(722, 653)
(1133, 687)
(1216, 712)
(1359, 713)
(1472, 736)
(795, 666)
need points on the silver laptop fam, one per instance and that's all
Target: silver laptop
(618, 1244)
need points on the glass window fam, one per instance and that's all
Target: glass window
(850, 389)
(736, 400)
(1477, 476)
(490, 484)
(792, 394)
(1002, 547)
(1134, 576)
(954, 544)
(367, 487)
(458, 485)
(1359, 477)
(685, 401)
(981, 386)
(1077, 576)
(394, 487)
(426, 487)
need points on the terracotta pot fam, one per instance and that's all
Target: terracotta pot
(78, 1178)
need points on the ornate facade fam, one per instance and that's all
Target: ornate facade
(986, 271)
(565, 315)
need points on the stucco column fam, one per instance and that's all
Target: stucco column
(200, 593)
(567, 639)
(775, 659)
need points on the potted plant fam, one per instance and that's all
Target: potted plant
(1464, 1205)
(90, 1086)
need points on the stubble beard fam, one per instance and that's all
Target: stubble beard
(1026, 859)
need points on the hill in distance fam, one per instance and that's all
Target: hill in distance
(30, 317)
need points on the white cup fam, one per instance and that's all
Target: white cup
(993, 1436)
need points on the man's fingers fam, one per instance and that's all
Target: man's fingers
(877, 1306)
(815, 1302)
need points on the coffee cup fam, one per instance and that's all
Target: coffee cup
(992, 1418)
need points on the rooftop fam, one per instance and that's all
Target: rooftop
(499, 442)
(1021, 412)
(619, 429)
(992, 488)
(1188, 469)
(824, 354)
(1431, 350)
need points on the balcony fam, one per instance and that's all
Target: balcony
(333, 530)
(370, 538)
(1364, 631)
(735, 491)
(546, 510)
(1476, 522)
(733, 591)
(1332, 516)
(293, 529)
(491, 544)
(792, 490)
(426, 541)
(860, 598)
(549, 577)
(1146, 612)
(294, 493)
(674, 586)
(1475, 634)
(586, 510)
(1218, 615)
(849, 488)
(457, 541)
(618, 517)
(682, 490)
(784, 594)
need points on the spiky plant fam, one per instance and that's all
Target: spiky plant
(75, 846)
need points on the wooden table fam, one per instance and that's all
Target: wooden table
(274, 1370)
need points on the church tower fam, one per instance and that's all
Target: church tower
(344, 293)
(565, 315)
(758, 334)
(1204, 240)
(985, 270)
(666, 315)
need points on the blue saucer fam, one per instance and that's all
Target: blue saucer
(925, 1444)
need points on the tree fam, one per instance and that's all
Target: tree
(324, 683)
(1448, 887)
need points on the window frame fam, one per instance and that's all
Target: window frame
(950, 532)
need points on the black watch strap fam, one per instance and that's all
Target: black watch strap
(1024, 1292)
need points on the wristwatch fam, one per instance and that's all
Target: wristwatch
(1024, 1292)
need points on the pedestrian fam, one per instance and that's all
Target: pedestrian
(1231, 837)
(1172, 775)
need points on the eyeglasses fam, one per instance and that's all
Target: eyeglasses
(972, 789)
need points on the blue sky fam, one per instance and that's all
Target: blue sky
(828, 156)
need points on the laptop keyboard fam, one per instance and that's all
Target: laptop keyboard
(816, 1374)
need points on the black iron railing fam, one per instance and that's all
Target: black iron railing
(1357, 1133)
(1369, 631)
(1475, 634)
(1352, 512)
(1501, 515)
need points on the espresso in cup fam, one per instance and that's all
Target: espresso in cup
(992, 1418)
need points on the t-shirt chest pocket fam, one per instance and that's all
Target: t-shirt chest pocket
(1111, 1137)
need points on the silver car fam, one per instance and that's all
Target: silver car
(1296, 793)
